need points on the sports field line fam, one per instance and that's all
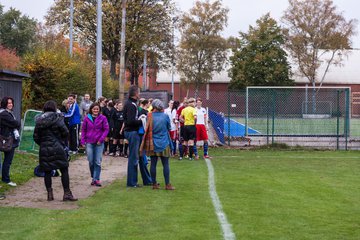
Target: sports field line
(291, 157)
(225, 225)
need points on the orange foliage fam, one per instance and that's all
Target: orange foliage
(8, 59)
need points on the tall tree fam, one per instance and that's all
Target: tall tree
(17, 31)
(202, 50)
(259, 58)
(148, 22)
(316, 33)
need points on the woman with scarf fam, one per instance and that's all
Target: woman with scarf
(157, 143)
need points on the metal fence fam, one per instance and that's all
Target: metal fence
(316, 118)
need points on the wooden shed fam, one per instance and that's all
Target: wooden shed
(11, 85)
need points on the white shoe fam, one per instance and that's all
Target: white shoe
(12, 184)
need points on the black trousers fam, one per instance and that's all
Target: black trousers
(64, 178)
(74, 137)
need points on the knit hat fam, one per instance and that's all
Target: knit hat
(158, 104)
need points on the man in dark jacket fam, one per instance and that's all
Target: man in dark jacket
(132, 124)
(74, 117)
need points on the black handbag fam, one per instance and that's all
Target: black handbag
(6, 143)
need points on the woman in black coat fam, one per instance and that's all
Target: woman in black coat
(9, 127)
(50, 134)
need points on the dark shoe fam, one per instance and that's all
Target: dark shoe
(136, 186)
(97, 183)
(2, 197)
(68, 196)
(92, 183)
(156, 186)
(169, 187)
(50, 194)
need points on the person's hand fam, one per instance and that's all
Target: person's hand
(98, 143)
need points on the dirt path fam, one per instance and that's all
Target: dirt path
(33, 193)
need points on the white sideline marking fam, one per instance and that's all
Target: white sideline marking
(225, 225)
(291, 157)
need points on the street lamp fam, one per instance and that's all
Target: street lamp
(71, 27)
(122, 52)
(99, 50)
(174, 20)
(144, 48)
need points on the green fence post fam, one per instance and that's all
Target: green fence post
(267, 117)
(337, 119)
(229, 118)
(347, 116)
(273, 115)
(246, 111)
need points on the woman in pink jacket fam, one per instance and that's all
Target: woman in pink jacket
(94, 130)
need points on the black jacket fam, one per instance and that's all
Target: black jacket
(8, 124)
(50, 134)
(131, 116)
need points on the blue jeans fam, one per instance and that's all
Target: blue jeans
(8, 157)
(94, 155)
(144, 171)
(166, 168)
(133, 159)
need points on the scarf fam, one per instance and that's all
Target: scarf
(147, 143)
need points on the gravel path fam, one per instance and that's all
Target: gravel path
(33, 193)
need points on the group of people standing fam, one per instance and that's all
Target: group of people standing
(140, 130)
(189, 125)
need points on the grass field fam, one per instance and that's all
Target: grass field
(266, 194)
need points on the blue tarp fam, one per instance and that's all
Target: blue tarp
(221, 126)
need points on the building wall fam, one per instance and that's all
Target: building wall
(12, 89)
(181, 91)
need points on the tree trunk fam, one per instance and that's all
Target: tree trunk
(314, 97)
(113, 62)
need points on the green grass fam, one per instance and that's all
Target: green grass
(290, 195)
(266, 194)
(22, 169)
(116, 212)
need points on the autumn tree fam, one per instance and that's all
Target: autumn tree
(17, 31)
(317, 33)
(8, 59)
(54, 74)
(259, 58)
(148, 22)
(202, 49)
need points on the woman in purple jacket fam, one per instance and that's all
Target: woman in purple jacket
(94, 130)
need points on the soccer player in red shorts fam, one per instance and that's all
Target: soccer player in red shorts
(201, 128)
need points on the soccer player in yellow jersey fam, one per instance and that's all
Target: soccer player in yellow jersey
(188, 115)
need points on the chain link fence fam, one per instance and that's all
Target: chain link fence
(296, 116)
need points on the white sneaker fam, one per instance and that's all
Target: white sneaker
(12, 184)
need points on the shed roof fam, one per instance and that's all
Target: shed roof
(9, 73)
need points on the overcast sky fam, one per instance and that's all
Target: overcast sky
(242, 12)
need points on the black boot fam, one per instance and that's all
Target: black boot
(50, 194)
(68, 196)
